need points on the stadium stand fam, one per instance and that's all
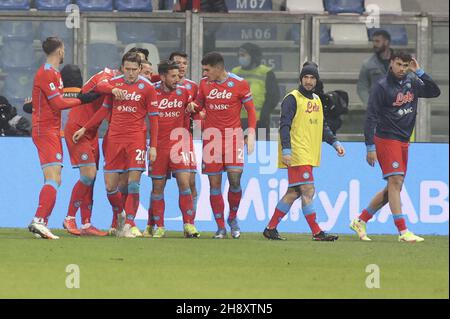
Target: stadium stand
(315, 6)
(398, 33)
(95, 5)
(15, 5)
(19, 82)
(386, 6)
(102, 32)
(101, 55)
(52, 5)
(18, 30)
(344, 6)
(135, 32)
(349, 34)
(134, 5)
(249, 5)
(17, 53)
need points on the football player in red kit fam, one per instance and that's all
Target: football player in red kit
(222, 95)
(126, 146)
(175, 149)
(48, 102)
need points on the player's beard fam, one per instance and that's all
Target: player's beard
(61, 60)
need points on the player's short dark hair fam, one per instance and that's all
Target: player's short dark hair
(145, 52)
(178, 53)
(51, 44)
(402, 55)
(166, 65)
(213, 59)
(383, 33)
(131, 57)
(146, 62)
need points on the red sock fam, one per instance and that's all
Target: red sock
(217, 206)
(400, 222)
(47, 200)
(311, 219)
(194, 200)
(186, 206)
(158, 206)
(79, 192)
(150, 221)
(115, 199)
(131, 208)
(366, 215)
(124, 193)
(234, 198)
(278, 215)
(86, 207)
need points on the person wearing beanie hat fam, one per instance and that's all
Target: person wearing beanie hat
(263, 84)
(302, 130)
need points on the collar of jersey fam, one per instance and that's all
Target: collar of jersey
(226, 79)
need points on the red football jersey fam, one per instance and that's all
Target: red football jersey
(46, 86)
(80, 115)
(191, 86)
(172, 112)
(128, 115)
(223, 101)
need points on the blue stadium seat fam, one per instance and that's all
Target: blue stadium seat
(344, 6)
(18, 83)
(128, 32)
(95, 5)
(325, 36)
(21, 30)
(15, 5)
(168, 5)
(54, 28)
(134, 5)
(249, 5)
(52, 5)
(398, 33)
(17, 53)
(101, 55)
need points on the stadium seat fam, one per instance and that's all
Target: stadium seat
(129, 32)
(168, 5)
(134, 5)
(398, 33)
(101, 55)
(95, 5)
(349, 34)
(386, 6)
(247, 31)
(344, 6)
(17, 53)
(20, 30)
(54, 28)
(305, 5)
(153, 55)
(325, 34)
(15, 5)
(102, 32)
(52, 5)
(18, 83)
(249, 5)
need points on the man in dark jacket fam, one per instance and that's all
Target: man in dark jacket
(263, 84)
(390, 120)
(12, 124)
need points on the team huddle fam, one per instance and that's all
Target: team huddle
(138, 105)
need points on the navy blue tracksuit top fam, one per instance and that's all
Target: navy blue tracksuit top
(392, 108)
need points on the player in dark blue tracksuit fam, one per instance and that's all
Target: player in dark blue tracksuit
(390, 120)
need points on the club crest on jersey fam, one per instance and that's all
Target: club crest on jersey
(141, 86)
(58, 156)
(84, 157)
(306, 175)
(179, 92)
(230, 84)
(395, 165)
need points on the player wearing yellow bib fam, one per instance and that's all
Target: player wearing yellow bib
(302, 130)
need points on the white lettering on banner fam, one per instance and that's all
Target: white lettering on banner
(428, 201)
(216, 94)
(166, 104)
(407, 209)
(332, 211)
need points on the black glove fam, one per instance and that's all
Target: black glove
(28, 107)
(88, 97)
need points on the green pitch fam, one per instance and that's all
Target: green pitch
(251, 267)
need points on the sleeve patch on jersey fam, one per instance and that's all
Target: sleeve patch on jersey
(247, 99)
(106, 105)
(52, 96)
(153, 114)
